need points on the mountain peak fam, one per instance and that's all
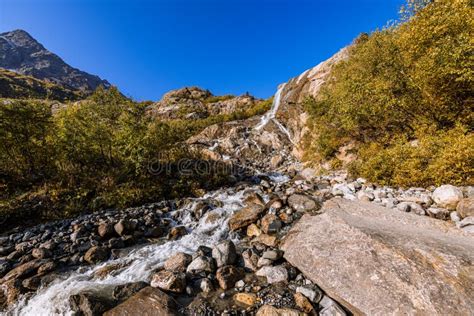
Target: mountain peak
(22, 53)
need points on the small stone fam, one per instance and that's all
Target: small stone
(224, 253)
(273, 274)
(177, 232)
(201, 264)
(303, 303)
(447, 196)
(330, 308)
(313, 295)
(302, 203)
(169, 281)
(228, 275)
(437, 212)
(178, 262)
(268, 310)
(41, 253)
(270, 241)
(246, 216)
(47, 267)
(247, 299)
(205, 285)
(106, 230)
(270, 224)
(124, 227)
(253, 230)
(264, 262)
(272, 254)
(454, 216)
(251, 258)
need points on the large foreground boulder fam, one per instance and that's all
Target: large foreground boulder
(377, 261)
(148, 302)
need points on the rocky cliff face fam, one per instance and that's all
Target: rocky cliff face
(21, 53)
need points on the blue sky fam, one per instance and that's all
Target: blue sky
(228, 46)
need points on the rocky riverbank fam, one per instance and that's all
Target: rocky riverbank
(220, 254)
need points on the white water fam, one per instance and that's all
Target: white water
(274, 109)
(270, 115)
(138, 264)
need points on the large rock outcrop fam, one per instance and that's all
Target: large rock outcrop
(21, 53)
(378, 261)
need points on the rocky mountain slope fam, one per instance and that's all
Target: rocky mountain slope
(21, 53)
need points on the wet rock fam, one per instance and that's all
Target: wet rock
(465, 207)
(12, 289)
(107, 270)
(124, 227)
(23, 271)
(224, 253)
(32, 283)
(228, 275)
(148, 301)
(246, 299)
(106, 230)
(245, 216)
(154, 232)
(178, 262)
(270, 224)
(123, 292)
(273, 274)
(47, 267)
(5, 250)
(89, 304)
(447, 196)
(41, 253)
(393, 258)
(254, 198)
(169, 281)
(96, 254)
(302, 203)
(201, 264)
(303, 303)
(177, 232)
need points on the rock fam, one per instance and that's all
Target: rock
(23, 271)
(264, 262)
(177, 232)
(270, 241)
(365, 196)
(178, 262)
(267, 310)
(41, 253)
(437, 212)
(154, 232)
(467, 224)
(89, 304)
(124, 291)
(272, 255)
(205, 285)
(254, 198)
(302, 203)
(107, 270)
(47, 267)
(32, 283)
(251, 258)
(245, 216)
(5, 266)
(465, 207)
(125, 227)
(454, 216)
(312, 294)
(274, 274)
(270, 224)
(106, 230)
(224, 253)
(411, 207)
(201, 264)
(330, 308)
(228, 275)
(247, 299)
(169, 281)
(447, 196)
(393, 258)
(5, 250)
(303, 303)
(96, 254)
(253, 230)
(275, 161)
(308, 174)
(148, 301)
(11, 291)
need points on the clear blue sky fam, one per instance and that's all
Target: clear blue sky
(228, 46)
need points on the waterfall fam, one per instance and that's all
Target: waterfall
(270, 115)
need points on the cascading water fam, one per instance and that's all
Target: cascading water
(139, 264)
(270, 115)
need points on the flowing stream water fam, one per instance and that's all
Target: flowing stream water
(139, 263)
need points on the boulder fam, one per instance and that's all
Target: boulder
(465, 207)
(384, 262)
(274, 274)
(41, 253)
(106, 230)
(89, 304)
(303, 303)
(245, 216)
(178, 262)
(201, 264)
(447, 196)
(224, 253)
(23, 271)
(228, 275)
(124, 291)
(177, 232)
(125, 227)
(147, 302)
(271, 224)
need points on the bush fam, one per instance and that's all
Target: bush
(395, 83)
